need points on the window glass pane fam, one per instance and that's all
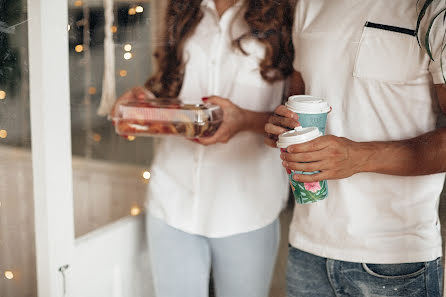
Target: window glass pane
(108, 170)
(17, 249)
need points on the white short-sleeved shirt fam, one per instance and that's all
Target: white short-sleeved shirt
(223, 189)
(380, 85)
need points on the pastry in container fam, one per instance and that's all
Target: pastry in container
(160, 117)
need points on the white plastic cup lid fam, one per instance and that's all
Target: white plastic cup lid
(298, 135)
(307, 104)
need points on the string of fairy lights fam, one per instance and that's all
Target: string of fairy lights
(127, 55)
(79, 48)
(3, 132)
(9, 275)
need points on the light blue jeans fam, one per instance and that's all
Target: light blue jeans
(312, 276)
(242, 265)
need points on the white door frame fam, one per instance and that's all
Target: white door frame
(51, 142)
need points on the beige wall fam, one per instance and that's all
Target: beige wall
(103, 193)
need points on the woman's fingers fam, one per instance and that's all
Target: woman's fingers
(284, 122)
(280, 122)
(213, 139)
(274, 130)
(218, 101)
(136, 93)
(283, 111)
(270, 141)
(207, 140)
(141, 93)
(127, 96)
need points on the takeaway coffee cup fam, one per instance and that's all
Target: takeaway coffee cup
(312, 110)
(304, 193)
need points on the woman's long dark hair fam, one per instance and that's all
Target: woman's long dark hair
(270, 22)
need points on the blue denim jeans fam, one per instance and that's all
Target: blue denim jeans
(242, 264)
(312, 276)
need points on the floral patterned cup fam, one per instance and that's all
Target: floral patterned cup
(304, 193)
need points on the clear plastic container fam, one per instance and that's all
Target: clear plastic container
(159, 117)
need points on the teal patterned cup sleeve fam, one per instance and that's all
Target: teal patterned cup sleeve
(313, 120)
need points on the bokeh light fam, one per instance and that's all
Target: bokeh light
(132, 11)
(79, 48)
(135, 211)
(3, 134)
(9, 274)
(146, 175)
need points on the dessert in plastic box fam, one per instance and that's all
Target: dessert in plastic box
(157, 117)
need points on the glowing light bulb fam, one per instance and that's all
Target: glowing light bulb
(123, 73)
(3, 134)
(128, 47)
(132, 11)
(135, 211)
(97, 137)
(131, 138)
(91, 90)
(79, 48)
(128, 56)
(2, 95)
(139, 9)
(146, 175)
(78, 3)
(9, 274)
(68, 27)
(114, 29)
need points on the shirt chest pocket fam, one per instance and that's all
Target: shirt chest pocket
(386, 54)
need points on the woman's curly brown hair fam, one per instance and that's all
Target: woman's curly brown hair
(270, 22)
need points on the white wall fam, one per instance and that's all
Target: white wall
(112, 262)
(116, 251)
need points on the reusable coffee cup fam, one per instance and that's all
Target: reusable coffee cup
(304, 193)
(312, 110)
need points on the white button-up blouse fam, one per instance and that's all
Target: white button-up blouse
(222, 189)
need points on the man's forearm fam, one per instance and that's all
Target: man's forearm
(422, 155)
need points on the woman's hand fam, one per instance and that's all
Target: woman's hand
(135, 94)
(280, 122)
(233, 121)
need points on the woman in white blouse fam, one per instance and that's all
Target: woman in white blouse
(214, 203)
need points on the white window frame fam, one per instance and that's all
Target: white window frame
(51, 142)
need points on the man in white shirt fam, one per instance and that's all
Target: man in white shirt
(378, 232)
